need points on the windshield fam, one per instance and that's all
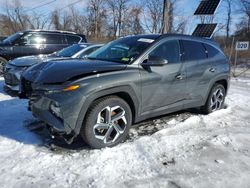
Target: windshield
(123, 50)
(85, 52)
(12, 38)
(70, 51)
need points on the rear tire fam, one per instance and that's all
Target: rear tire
(3, 61)
(215, 100)
(107, 122)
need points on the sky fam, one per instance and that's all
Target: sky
(44, 6)
(185, 10)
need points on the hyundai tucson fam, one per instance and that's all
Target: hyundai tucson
(126, 81)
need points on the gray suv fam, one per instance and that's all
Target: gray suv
(126, 81)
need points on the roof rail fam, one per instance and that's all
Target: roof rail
(55, 31)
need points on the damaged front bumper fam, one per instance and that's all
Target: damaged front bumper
(60, 111)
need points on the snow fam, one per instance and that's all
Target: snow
(183, 149)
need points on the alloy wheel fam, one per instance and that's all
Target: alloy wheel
(111, 124)
(217, 99)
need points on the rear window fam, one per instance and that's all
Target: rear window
(73, 39)
(53, 38)
(193, 50)
(211, 51)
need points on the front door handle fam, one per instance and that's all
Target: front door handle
(179, 77)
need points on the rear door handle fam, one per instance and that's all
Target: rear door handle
(212, 69)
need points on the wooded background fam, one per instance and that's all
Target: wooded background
(105, 20)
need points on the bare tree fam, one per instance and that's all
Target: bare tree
(136, 26)
(118, 9)
(245, 9)
(38, 21)
(17, 20)
(96, 16)
(55, 19)
(229, 17)
(153, 13)
(132, 23)
(181, 27)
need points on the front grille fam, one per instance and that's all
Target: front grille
(10, 79)
(26, 87)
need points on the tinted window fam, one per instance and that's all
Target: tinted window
(53, 38)
(194, 50)
(72, 39)
(211, 51)
(33, 38)
(169, 50)
(70, 51)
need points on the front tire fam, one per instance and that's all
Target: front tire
(3, 61)
(107, 122)
(215, 100)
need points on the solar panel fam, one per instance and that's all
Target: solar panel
(204, 30)
(207, 7)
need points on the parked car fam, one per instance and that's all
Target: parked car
(13, 69)
(2, 38)
(34, 42)
(126, 81)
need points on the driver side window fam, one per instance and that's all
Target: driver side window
(169, 50)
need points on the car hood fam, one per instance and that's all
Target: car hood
(53, 72)
(32, 60)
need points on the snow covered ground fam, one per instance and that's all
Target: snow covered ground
(184, 149)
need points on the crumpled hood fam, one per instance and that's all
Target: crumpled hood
(53, 72)
(32, 60)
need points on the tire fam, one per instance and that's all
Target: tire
(3, 61)
(215, 100)
(101, 128)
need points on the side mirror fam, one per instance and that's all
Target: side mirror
(155, 61)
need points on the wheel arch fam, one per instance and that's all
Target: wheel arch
(5, 58)
(124, 92)
(223, 80)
